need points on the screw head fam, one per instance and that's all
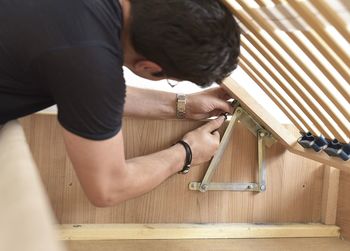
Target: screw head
(262, 188)
(203, 188)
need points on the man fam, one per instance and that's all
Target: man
(71, 53)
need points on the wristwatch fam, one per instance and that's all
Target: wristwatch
(180, 106)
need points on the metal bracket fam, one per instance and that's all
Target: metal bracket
(263, 137)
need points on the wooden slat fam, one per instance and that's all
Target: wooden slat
(280, 133)
(330, 195)
(345, 92)
(317, 125)
(194, 231)
(324, 8)
(272, 91)
(285, 72)
(344, 108)
(335, 122)
(317, 26)
(324, 48)
(274, 96)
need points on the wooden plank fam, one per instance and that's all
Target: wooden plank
(330, 195)
(343, 212)
(286, 244)
(252, 107)
(25, 215)
(194, 231)
(290, 179)
(271, 124)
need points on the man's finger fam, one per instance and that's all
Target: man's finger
(214, 124)
(223, 106)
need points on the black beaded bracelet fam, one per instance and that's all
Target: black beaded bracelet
(188, 159)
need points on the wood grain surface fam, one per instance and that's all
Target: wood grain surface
(343, 213)
(294, 184)
(292, 244)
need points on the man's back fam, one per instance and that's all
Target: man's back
(37, 37)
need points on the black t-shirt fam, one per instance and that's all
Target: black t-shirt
(64, 52)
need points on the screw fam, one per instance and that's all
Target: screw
(203, 188)
(262, 188)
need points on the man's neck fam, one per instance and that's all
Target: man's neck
(130, 55)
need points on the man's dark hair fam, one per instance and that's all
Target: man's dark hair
(194, 40)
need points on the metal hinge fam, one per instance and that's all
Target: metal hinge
(264, 138)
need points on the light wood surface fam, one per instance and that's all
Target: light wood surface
(343, 213)
(285, 136)
(294, 184)
(193, 231)
(291, 244)
(328, 113)
(330, 195)
(276, 97)
(26, 219)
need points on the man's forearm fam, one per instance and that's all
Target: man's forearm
(149, 103)
(145, 173)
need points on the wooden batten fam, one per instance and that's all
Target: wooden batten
(316, 126)
(323, 7)
(336, 124)
(319, 28)
(275, 96)
(194, 231)
(330, 195)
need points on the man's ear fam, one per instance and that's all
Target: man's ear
(148, 69)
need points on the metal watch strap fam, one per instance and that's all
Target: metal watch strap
(180, 106)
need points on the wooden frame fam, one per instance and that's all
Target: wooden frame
(281, 133)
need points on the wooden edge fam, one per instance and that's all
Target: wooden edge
(258, 112)
(194, 231)
(330, 195)
(284, 135)
(319, 157)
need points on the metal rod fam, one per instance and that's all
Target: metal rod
(223, 144)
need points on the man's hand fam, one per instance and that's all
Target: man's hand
(204, 141)
(206, 104)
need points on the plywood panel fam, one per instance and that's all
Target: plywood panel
(293, 193)
(299, 244)
(343, 214)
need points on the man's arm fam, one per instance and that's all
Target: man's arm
(108, 179)
(159, 104)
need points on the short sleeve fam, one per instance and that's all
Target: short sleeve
(88, 87)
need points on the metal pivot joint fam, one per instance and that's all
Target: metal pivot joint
(264, 138)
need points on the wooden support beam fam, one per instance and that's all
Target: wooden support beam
(281, 133)
(330, 195)
(194, 231)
